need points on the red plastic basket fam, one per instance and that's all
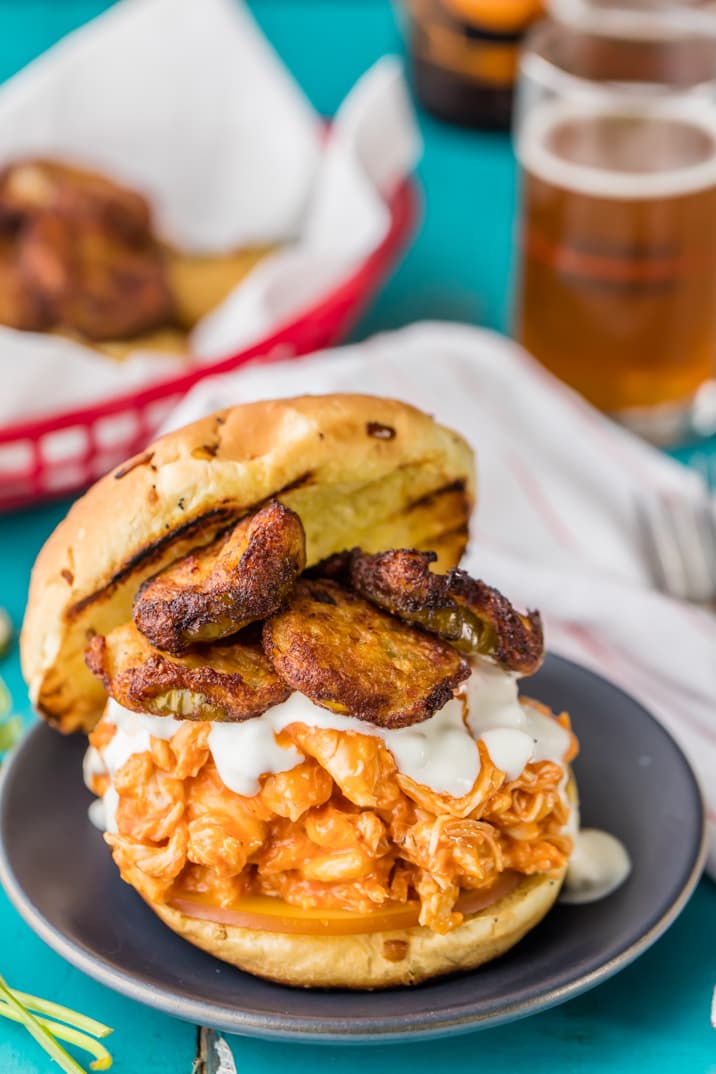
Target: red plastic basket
(58, 454)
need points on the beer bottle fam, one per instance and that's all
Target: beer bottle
(464, 56)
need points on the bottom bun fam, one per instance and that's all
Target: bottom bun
(376, 959)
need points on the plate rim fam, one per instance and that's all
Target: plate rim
(362, 1030)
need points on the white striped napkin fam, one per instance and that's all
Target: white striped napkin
(555, 526)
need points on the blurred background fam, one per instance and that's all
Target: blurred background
(618, 99)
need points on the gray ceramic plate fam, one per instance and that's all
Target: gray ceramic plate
(633, 781)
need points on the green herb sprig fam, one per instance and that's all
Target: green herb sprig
(64, 1024)
(50, 1023)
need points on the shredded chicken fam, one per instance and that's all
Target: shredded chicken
(343, 829)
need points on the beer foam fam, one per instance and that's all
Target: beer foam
(536, 157)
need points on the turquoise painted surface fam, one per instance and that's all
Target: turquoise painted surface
(654, 1017)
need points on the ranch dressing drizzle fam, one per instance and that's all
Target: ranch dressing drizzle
(514, 732)
(438, 753)
(598, 866)
(134, 730)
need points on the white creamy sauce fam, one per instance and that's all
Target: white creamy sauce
(509, 749)
(97, 814)
(132, 739)
(134, 730)
(92, 765)
(598, 866)
(236, 748)
(110, 803)
(438, 753)
(514, 732)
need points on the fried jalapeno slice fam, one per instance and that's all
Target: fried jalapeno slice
(229, 681)
(216, 591)
(348, 656)
(473, 616)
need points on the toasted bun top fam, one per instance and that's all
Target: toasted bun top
(358, 470)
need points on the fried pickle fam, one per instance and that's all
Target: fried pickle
(213, 593)
(473, 616)
(227, 682)
(348, 656)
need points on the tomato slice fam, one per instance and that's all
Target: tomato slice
(264, 913)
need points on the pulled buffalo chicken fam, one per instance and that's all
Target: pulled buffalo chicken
(342, 830)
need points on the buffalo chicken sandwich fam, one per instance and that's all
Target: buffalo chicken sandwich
(306, 738)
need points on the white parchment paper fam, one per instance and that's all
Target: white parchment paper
(187, 102)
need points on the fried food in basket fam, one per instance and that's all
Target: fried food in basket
(32, 186)
(92, 278)
(79, 255)
(20, 306)
(218, 590)
(200, 282)
(229, 682)
(348, 656)
(84, 251)
(472, 615)
(169, 341)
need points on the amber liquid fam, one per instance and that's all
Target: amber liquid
(464, 59)
(618, 275)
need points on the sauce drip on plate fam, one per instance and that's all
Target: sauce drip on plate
(598, 866)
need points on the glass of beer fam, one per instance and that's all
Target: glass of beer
(616, 138)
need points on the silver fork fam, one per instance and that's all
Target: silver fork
(678, 539)
(213, 1054)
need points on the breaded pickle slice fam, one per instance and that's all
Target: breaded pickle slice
(348, 656)
(216, 591)
(473, 616)
(230, 681)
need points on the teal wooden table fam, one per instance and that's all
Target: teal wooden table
(654, 1016)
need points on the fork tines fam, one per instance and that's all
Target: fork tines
(678, 538)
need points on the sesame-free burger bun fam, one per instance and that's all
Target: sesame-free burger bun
(358, 470)
(375, 959)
